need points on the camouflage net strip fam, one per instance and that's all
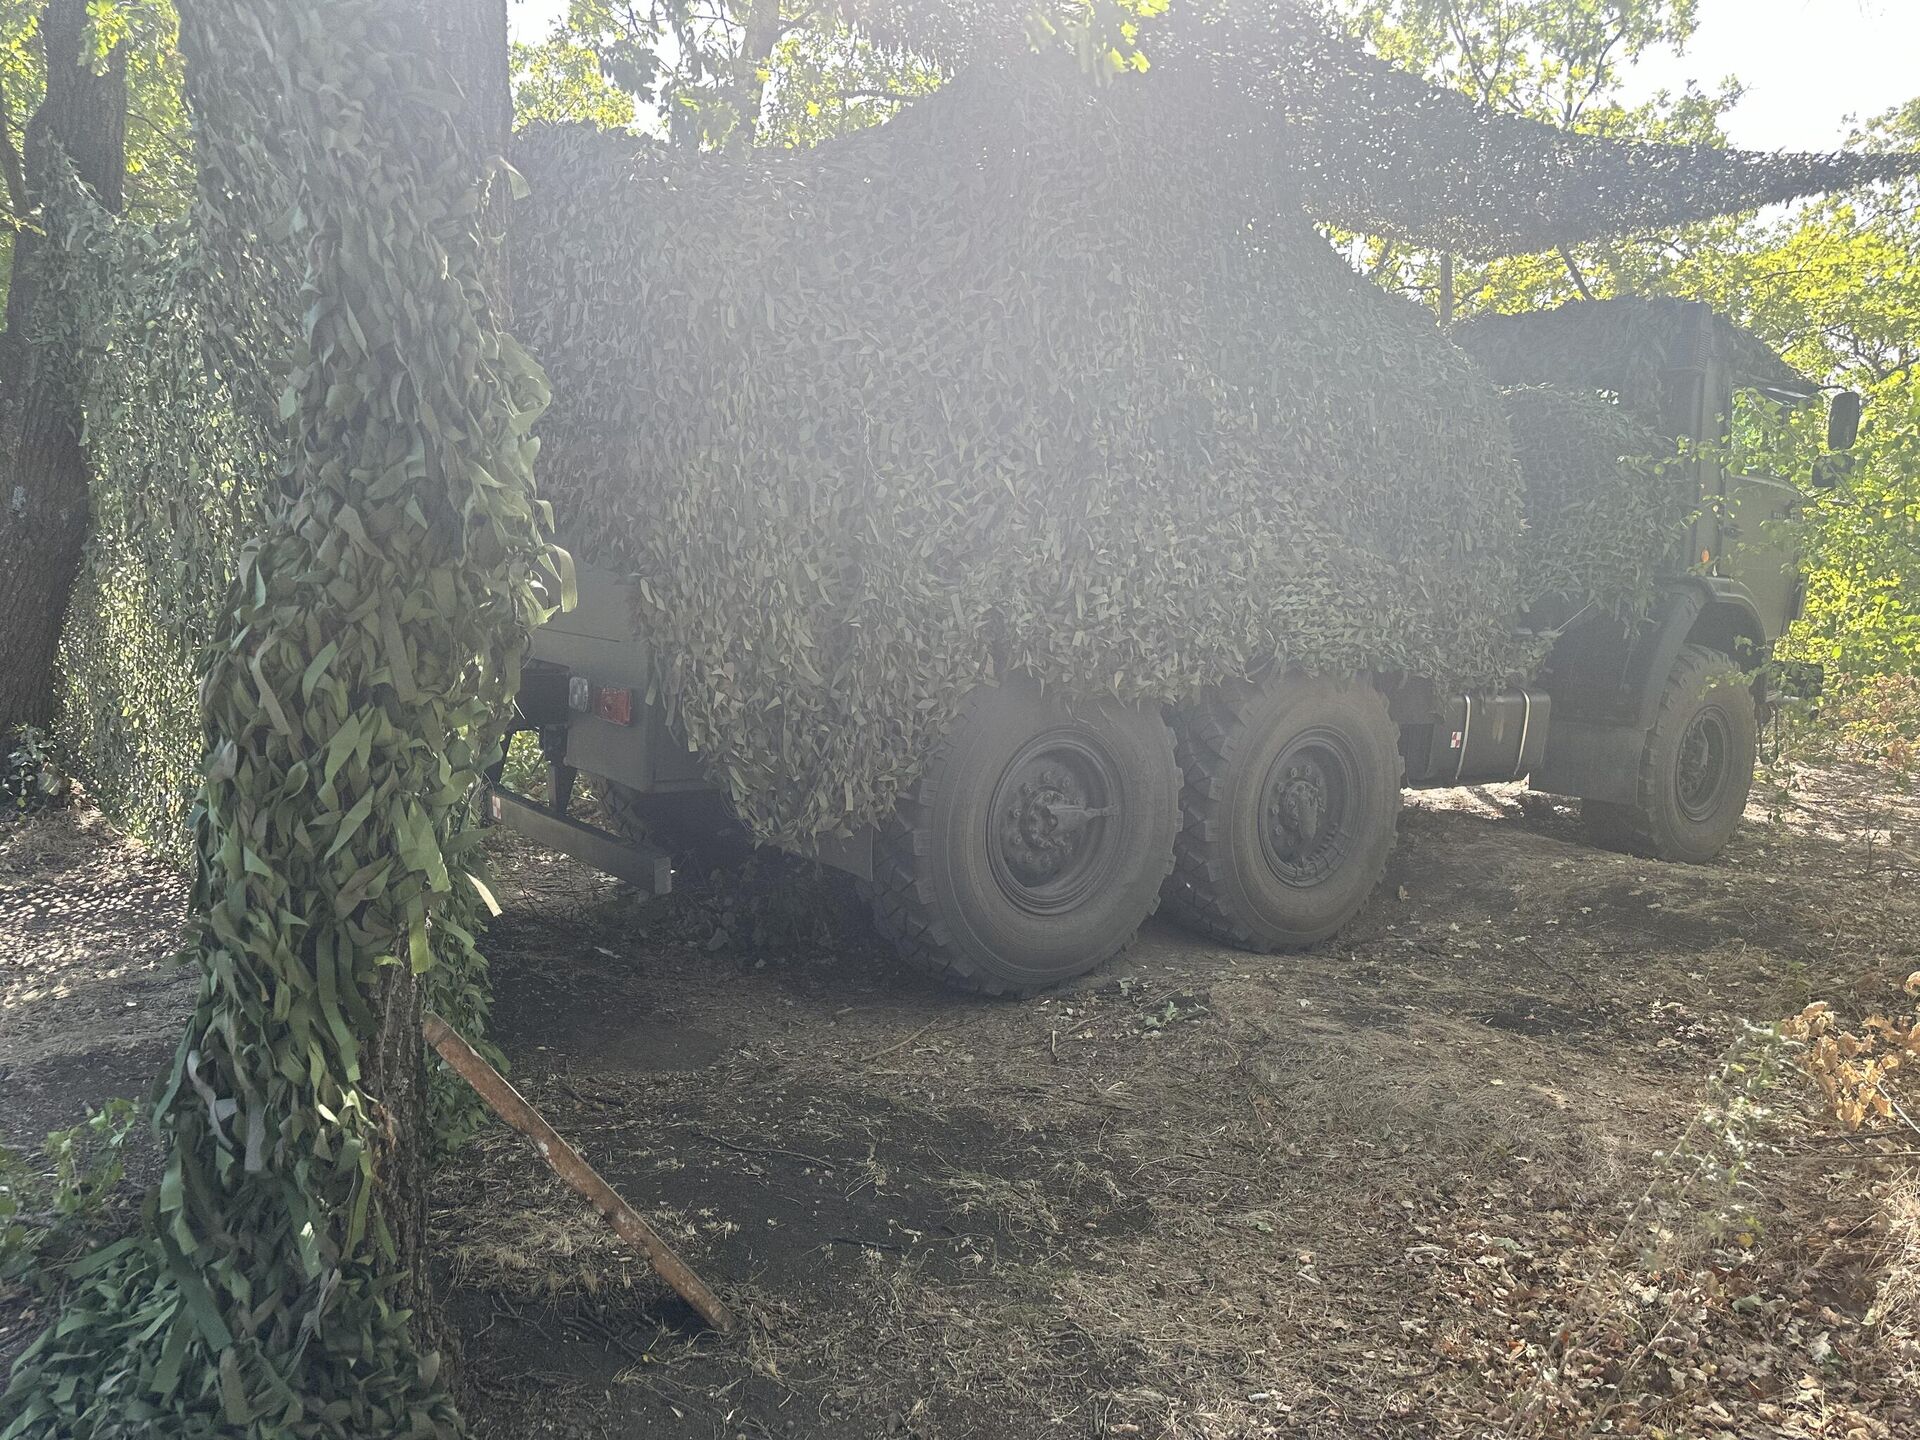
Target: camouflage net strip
(1374, 149)
(1380, 151)
(369, 645)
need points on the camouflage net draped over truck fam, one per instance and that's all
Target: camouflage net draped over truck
(1604, 511)
(1049, 379)
(1018, 382)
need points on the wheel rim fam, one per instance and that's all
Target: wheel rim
(1705, 765)
(1054, 823)
(1309, 805)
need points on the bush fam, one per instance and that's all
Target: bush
(30, 777)
(44, 1209)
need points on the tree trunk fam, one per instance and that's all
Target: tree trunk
(43, 468)
(263, 1293)
(760, 35)
(469, 39)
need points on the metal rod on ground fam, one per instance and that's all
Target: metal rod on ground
(511, 1106)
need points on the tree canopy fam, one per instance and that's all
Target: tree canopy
(717, 74)
(159, 159)
(1830, 283)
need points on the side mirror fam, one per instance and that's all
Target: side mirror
(1843, 421)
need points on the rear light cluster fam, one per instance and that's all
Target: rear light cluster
(612, 703)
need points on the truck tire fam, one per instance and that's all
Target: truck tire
(1696, 768)
(1035, 842)
(1290, 796)
(696, 827)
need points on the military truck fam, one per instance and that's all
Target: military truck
(1046, 827)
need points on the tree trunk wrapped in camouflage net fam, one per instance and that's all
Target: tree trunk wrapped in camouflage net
(352, 698)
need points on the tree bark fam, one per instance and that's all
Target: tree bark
(43, 467)
(762, 32)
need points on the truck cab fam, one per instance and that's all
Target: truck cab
(1701, 381)
(1660, 772)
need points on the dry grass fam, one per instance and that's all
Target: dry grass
(1896, 1310)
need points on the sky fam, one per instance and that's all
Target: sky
(1808, 64)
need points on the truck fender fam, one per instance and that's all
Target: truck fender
(1598, 757)
(1700, 610)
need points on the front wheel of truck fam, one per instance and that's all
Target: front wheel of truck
(1291, 793)
(1696, 768)
(1034, 845)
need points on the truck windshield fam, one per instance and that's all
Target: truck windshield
(1760, 438)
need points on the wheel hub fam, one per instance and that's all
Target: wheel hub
(1703, 764)
(1049, 840)
(1298, 804)
(1306, 807)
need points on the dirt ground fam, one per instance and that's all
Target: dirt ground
(1506, 1158)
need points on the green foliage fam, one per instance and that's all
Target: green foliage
(1104, 35)
(30, 775)
(44, 1208)
(1554, 60)
(562, 79)
(730, 75)
(23, 83)
(833, 82)
(1841, 283)
(159, 163)
(353, 690)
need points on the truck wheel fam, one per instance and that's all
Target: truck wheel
(1035, 842)
(696, 827)
(1696, 768)
(1290, 797)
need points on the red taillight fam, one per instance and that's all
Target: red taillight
(614, 706)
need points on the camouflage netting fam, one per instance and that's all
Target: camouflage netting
(1375, 149)
(877, 424)
(1623, 346)
(1043, 374)
(1603, 508)
(1380, 151)
(1059, 379)
(181, 463)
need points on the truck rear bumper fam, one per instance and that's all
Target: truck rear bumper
(648, 870)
